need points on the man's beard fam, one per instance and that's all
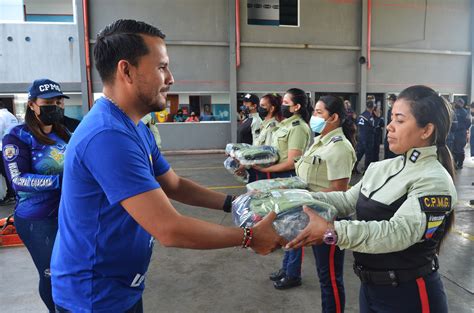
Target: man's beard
(152, 103)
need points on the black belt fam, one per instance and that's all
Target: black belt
(394, 277)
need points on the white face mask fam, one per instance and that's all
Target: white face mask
(317, 124)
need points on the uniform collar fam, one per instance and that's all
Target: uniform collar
(291, 119)
(254, 114)
(416, 154)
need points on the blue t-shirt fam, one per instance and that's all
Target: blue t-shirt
(34, 170)
(101, 253)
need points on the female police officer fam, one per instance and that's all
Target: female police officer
(404, 209)
(269, 110)
(327, 166)
(291, 138)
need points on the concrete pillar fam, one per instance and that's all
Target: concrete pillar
(82, 56)
(363, 53)
(232, 72)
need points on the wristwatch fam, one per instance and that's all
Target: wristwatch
(330, 236)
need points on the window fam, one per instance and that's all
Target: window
(48, 11)
(273, 12)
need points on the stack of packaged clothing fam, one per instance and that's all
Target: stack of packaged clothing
(232, 165)
(263, 185)
(242, 154)
(250, 208)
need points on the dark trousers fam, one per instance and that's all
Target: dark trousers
(255, 175)
(292, 263)
(460, 140)
(425, 294)
(38, 237)
(365, 148)
(330, 268)
(471, 141)
(136, 308)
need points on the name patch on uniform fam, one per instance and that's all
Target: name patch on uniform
(435, 203)
(436, 208)
(10, 152)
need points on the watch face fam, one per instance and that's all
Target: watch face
(330, 237)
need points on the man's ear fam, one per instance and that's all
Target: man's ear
(124, 69)
(334, 118)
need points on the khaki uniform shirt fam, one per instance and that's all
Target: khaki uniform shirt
(255, 127)
(148, 121)
(266, 132)
(292, 134)
(421, 177)
(330, 158)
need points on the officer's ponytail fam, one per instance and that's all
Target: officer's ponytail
(335, 105)
(428, 107)
(300, 97)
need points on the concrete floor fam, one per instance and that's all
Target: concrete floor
(236, 280)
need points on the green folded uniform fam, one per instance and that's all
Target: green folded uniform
(261, 155)
(264, 185)
(250, 208)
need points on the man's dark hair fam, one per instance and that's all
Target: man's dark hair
(370, 104)
(121, 40)
(2, 105)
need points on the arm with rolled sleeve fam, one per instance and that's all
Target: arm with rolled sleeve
(18, 168)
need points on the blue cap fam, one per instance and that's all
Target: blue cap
(45, 89)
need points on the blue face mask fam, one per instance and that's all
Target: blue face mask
(317, 124)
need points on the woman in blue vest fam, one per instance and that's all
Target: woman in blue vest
(33, 154)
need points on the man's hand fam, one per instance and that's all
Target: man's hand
(265, 238)
(312, 234)
(240, 171)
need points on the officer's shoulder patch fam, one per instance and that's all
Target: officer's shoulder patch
(295, 123)
(435, 203)
(10, 152)
(336, 139)
(257, 131)
(272, 124)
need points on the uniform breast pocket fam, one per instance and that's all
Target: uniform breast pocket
(313, 168)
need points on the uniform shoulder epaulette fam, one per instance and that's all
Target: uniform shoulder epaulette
(336, 139)
(272, 124)
(295, 123)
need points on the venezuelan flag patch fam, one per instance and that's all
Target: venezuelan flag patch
(436, 208)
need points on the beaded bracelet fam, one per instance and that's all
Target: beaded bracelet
(247, 238)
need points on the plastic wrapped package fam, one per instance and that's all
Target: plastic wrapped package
(231, 165)
(230, 148)
(250, 208)
(261, 155)
(263, 185)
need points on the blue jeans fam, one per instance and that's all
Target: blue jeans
(38, 235)
(136, 308)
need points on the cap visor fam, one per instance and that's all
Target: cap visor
(54, 94)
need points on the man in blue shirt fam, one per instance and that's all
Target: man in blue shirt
(117, 185)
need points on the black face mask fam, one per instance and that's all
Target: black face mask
(262, 112)
(245, 110)
(51, 114)
(285, 111)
